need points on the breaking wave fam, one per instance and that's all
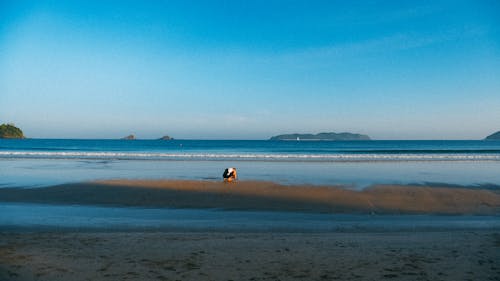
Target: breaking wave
(332, 157)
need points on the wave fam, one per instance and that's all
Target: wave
(335, 157)
(432, 151)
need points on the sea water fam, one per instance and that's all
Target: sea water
(88, 218)
(356, 164)
(33, 163)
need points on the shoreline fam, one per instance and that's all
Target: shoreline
(265, 196)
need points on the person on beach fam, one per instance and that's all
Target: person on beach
(229, 174)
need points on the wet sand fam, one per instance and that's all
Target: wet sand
(254, 195)
(365, 254)
(458, 255)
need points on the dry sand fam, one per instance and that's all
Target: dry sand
(252, 195)
(53, 256)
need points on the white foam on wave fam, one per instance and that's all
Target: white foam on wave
(347, 157)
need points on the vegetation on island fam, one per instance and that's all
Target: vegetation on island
(10, 131)
(321, 137)
(495, 136)
(166, 138)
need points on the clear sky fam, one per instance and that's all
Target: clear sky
(250, 69)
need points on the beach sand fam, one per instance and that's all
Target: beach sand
(255, 195)
(453, 255)
(364, 254)
(370, 254)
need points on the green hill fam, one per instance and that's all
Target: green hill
(9, 131)
(321, 137)
(495, 136)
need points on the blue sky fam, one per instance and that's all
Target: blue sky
(250, 69)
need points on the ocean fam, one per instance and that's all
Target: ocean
(356, 164)
(36, 163)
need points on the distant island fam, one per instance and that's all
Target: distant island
(321, 137)
(129, 137)
(165, 138)
(9, 131)
(132, 137)
(495, 136)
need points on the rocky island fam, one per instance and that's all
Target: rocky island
(9, 131)
(129, 137)
(321, 137)
(495, 136)
(132, 137)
